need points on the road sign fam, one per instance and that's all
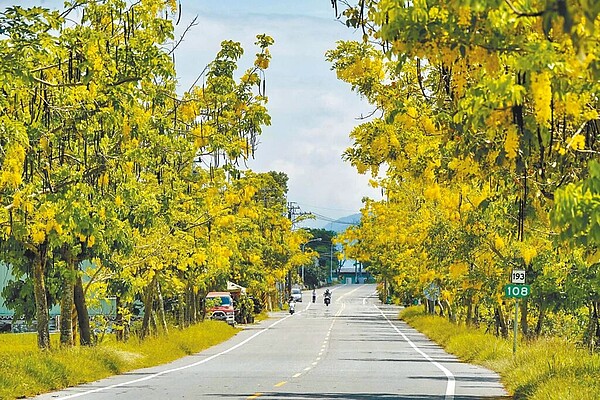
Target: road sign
(518, 276)
(517, 291)
(432, 292)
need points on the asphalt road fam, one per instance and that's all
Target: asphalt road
(354, 349)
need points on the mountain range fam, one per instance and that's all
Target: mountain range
(340, 225)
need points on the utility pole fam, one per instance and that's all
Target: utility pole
(292, 210)
(294, 214)
(331, 262)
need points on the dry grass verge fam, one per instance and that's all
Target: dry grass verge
(26, 371)
(545, 369)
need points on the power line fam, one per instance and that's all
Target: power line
(329, 219)
(328, 208)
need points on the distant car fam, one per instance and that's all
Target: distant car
(220, 307)
(5, 326)
(297, 294)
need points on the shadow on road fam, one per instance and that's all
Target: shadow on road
(407, 360)
(348, 396)
(462, 378)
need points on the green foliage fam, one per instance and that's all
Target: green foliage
(323, 244)
(577, 208)
(18, 296)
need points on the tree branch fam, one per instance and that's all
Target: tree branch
(191, 24)
(523, 14)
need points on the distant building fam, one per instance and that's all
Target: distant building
(353, 271)
(105, 307)
(5, 277)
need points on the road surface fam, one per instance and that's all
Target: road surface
(354, 349)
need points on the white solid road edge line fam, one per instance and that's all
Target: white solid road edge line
(451, 385)
(167, 371)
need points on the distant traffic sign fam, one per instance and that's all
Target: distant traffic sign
(432, 292)
(517, 291)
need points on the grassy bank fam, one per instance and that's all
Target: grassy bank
(26, 371)
(545, 369)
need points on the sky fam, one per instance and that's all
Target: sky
(312, 113)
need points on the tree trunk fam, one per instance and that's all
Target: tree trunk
(268, 302)
(593, 331)
(501, 322)
(430, 306)
(181, 311)
(385, 292)
(41, 301)
(195, 308)
(186, 307)
(83, 318)
(162, 319)
(66, 301)
(469, 317)
(439, 304)
(540, 321)
(189, 306)
(597, 328)
(524, 315)
(153, 324)
(74, 319)
(148, 301)
(119, 320)
(451, 315)
(123, 331)
(126, 331)
(442, 305)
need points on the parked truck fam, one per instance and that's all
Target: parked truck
(219, 306)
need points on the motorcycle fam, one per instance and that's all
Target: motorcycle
(327, 300)
(292, 307)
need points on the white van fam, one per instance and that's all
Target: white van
(297, 294)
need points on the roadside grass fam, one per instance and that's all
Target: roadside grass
(263, 315)
(543, 369)
(26, 371)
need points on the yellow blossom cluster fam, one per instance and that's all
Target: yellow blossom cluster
(12, 167)
(541, 90)
(511, 144)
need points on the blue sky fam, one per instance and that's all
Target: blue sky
(312, 112)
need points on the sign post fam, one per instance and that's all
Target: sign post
(515, 326)
(517, 290)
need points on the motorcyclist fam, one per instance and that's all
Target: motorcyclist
(292, 305)
(327, 297)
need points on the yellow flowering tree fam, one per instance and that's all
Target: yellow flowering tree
(100, 156)
(490, 107)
